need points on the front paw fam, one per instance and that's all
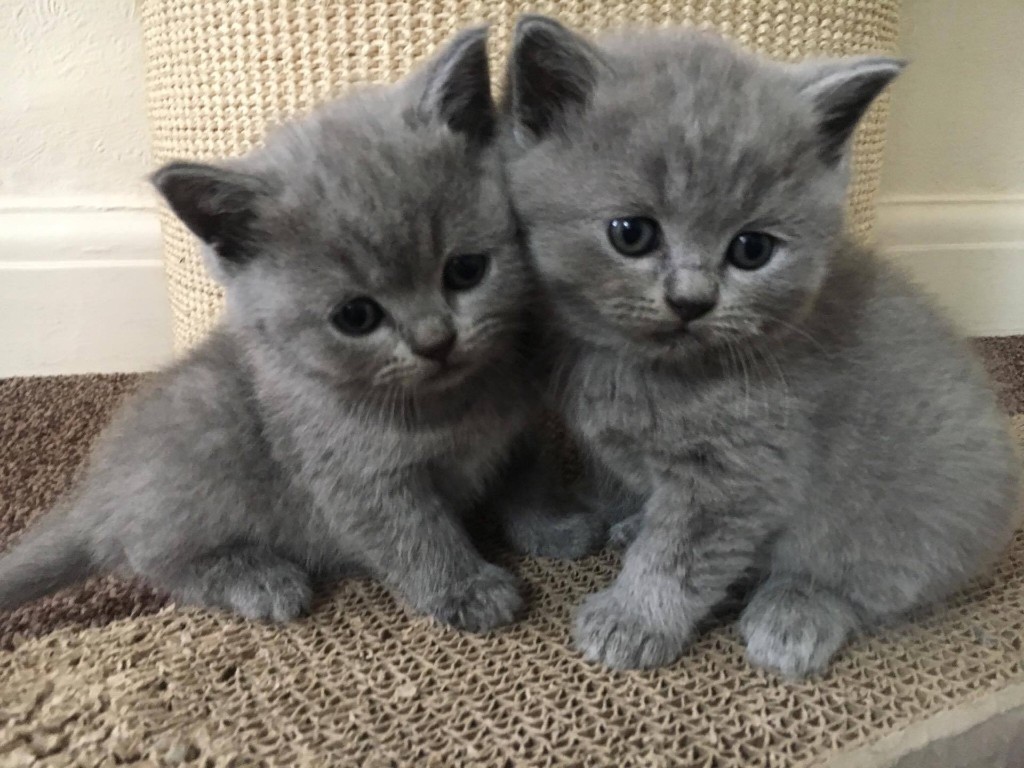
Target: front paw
(795, 630)
(255, 584)
(566, 536)
(623, 633)
(278, 594)
(485, 600)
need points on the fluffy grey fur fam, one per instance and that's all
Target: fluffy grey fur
(540, 514)
(812, 424)
(282, 447)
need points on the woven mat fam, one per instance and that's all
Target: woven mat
(103, 675)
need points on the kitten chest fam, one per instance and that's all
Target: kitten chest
(640, 423)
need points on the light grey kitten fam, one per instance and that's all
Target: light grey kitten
(791, 409)
(363, 389)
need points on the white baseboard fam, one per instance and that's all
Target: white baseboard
(82, 287)
(968, 252)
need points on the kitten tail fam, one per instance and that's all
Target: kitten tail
(46, 559)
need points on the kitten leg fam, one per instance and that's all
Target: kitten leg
(553, 532)
(794, 628)
(539, 516)
(254, 583)
(420, 551)
(568, 524)
(681, 565)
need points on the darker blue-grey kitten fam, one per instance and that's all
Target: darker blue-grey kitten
(788, 406)
(363, 389)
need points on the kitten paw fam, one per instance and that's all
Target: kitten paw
(624, 532)
(566, 536)
(624, 635)
(794, 630)
(255, 585)
(280, 593)
(488, 599)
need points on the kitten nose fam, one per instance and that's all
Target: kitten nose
(435, 347)
(690, 310)
(691, 293)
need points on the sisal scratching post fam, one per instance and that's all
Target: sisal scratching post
(219, 73)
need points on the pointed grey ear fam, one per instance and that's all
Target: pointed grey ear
(551, 70)
(840, 92)
(458, 86)
(216, 204)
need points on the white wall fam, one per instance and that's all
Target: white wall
(73, 120)
(82, 289)
(957, 122)
(952, 203)
(81, 284)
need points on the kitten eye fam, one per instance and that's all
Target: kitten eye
(464, 272)
(357, 317)
(636, 236)
(751, 250)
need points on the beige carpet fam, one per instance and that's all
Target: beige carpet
(103, 676)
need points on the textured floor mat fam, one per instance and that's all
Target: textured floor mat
(98, 677)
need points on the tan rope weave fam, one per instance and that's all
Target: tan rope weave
(361, 684)
(219, 72)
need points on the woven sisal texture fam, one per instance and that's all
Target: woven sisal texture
(362, 683)
(221, 72)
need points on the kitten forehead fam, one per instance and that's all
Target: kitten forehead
(711, 97)
(368, 184)
(684, 122)
(365, 153)
(693, 68)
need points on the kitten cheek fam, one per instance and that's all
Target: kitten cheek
(394, 373)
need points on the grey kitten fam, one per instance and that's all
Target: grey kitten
(363, 389)
(790, 408)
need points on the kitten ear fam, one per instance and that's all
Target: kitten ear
(551, 70)
(216, 204)
(458, 86)
(840, 92)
